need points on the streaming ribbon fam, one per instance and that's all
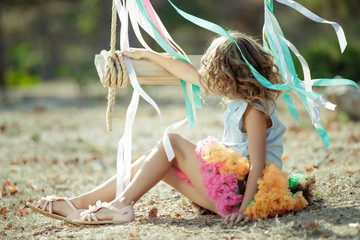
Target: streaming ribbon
(279, 47)
(141, 13)
(144, 15)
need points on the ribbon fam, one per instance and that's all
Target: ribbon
(304, 11)
(125, 143)
(279, 47)
(158, 32)
(150, 22)
(281, 53)
(142, 14)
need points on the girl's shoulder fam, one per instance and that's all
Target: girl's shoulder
(237, 105)
(240, 106)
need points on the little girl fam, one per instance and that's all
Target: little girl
(215, 175)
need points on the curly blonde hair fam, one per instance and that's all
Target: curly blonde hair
(225, 73)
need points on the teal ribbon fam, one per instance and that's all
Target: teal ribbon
(164, 45)
(220, 31)
(332, 82)
(271, 46)
(290, 66)
(296, 86)
(292, 71)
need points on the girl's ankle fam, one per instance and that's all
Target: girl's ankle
(123, 202)
(80, 203)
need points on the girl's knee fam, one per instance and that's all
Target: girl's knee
(174, 138)
(183, 149)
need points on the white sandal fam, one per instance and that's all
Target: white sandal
(48, 201)
(122, 215)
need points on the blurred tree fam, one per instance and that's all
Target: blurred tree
(318, 42)
(5, 6)
(2, 65)
(57, 39)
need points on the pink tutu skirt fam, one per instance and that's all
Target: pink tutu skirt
(223, 174)
(224, 177)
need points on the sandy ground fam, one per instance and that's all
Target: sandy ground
(51, 143)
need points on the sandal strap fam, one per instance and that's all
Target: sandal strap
(48, 200)
(89, 214)
(94, 217)
(45, 205)
(70, 204)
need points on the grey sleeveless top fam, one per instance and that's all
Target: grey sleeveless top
(235, 138)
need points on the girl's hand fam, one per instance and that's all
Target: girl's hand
(235, 218)
(136, 53)
(178, 68)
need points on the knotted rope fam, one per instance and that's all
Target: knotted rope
(115, 74)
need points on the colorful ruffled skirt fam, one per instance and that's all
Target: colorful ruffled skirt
(224, 175)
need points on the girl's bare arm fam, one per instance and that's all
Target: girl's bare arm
(178, 68)
(255, 126)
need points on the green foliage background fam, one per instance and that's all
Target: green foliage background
(53, 40)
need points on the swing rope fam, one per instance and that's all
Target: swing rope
(115, 74)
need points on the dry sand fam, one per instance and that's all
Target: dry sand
(51, 143)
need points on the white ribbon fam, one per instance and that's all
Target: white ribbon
(126, 10)
(307, 13)
(137, 19)
(271, 21)
(125, 143)
(307, 84)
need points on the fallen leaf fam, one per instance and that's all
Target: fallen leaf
(313, 225)
(309, 169)
(13, 191)
(353, 153)
(132, 235)
(353, 139)
(176, 215)
(7, 183)
(285, 158)
(3, 210)
(325, 235)
(332, 160)
(3, 192)
(153, 213)
(3, 127)
(10, 225)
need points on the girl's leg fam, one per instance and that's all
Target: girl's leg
(105, 193)
(188, 191)
(157, 167)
